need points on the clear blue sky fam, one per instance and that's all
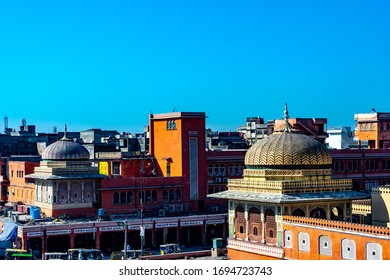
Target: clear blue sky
(109, 64)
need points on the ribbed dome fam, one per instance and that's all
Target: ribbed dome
(288, 149)
(65, 149)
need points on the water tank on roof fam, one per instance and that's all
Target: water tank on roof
(100, 212)
(35, 212)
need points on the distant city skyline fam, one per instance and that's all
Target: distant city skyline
(108, 65)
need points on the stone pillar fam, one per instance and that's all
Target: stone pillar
(82, 192)
(97, 238)
(154, 235)
(328, 215)
(71, 237)
(246, 223)
(178, 231)
(68, 201)
(204, 232)
(262, 224)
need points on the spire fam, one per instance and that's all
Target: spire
(286, 116)
(65, 138)
(286, 127)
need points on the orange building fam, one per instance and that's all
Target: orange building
(177, 142)
(22, 190)
(373, 128)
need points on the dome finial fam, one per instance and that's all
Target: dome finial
(286, 127)
(65, 138)
(286, 116)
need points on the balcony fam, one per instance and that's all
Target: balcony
(256, 248)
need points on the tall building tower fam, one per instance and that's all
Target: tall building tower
(178, 144)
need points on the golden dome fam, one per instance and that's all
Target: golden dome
(288, 149)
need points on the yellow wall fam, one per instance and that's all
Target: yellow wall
(103, 168)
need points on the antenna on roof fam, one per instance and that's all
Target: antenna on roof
(373, 109)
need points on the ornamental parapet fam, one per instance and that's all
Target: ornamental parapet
(381, 190)
(282, 172)
(256, 248)
(338, 225)
(277, 185)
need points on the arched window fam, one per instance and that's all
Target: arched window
(130, 197)
(171, 195)
(270, 226)
(216, 170)
(178, 195)
(154, 196)
(222, 170)
(303, 242)
(236, 169)
(240, 222)
(115, 198)
(325, 245)
(255, 231)
(141, 199)
(123, 198)
(348, 249)
(373, 251)
(288, 239)
(164, 196)
(211, 170)
(231, 169)
(298, 212)
(148, 197)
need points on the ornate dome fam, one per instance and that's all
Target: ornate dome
(65, 149)
(288, 149)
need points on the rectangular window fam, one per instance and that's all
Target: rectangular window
(168, 169)
(116, 168)
(193, 154)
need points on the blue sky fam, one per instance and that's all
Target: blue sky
(109, 64)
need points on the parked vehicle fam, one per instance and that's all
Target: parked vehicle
(9, 252)
(169, 248)
(84, 254)
(56, 256)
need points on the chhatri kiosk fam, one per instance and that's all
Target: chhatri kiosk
(287, 174)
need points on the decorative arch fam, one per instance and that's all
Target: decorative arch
(318, 213)
(270, 227)
(240, 222)
(255, 224)
(348, 249)
(298, 212)
(325, 245)
(115, 198)
(373, 251)
(123, 198)
(130, 198)
(288, 242)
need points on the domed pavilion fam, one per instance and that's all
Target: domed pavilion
(66, 182)
(286, 173)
